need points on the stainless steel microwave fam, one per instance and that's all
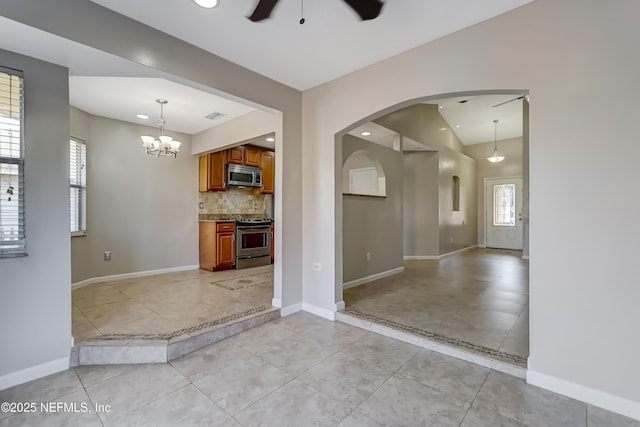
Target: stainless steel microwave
(244, 176)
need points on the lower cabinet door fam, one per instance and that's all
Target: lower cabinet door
(225, 249)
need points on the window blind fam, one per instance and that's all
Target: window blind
(12, 227)
(78, 185)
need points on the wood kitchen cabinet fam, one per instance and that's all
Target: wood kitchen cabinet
(244, 155)
(217, 245)
(268, 165)
(252, 156)
(212, 171)
(236, 155)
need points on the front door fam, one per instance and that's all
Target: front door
(503, 202)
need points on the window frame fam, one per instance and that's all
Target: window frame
(81, 186)
(14, 247)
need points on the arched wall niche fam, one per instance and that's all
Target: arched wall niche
(362, 175)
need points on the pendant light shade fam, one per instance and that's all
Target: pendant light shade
(496, 157)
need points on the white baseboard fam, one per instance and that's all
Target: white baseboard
(133, 275)
(276, 302)
(319, 311)
(371, 278)
(33, 373)
(448, 254)
(585, 394)
(437, 257)
(290, 309)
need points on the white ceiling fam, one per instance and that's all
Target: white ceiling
(184, 112)
(472, 121)
(331, 43)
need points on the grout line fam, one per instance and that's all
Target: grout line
(474, 398)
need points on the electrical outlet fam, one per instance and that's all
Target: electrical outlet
(316, 266)
(201, 205)
(107, 255)
(368, 256)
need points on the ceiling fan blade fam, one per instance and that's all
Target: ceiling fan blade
(263, 10)
(506, 102)
(366, 9)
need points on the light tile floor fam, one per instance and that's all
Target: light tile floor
(167, 302)
(480, 296)
(300, 371)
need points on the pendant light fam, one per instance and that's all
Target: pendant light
(496, 157)
(164, 145)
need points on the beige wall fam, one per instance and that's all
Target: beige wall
(421, 201)
(423, 123)
(579, 61)
(141, 208)
(511, 166)
(240, 129)
(373, 224)
(35, 296)
(456, 230)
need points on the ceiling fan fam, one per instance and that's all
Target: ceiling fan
(366, 9)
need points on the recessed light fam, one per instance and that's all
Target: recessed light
(441, 107)
(457, 126)
(365, 133)
(142, 116)
(442, 129)
(271, 139)
(206, 3)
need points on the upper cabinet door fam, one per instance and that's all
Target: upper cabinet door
(268, 164)
(212, 171)
(236, 155)
(252, 156)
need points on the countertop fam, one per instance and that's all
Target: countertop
(226, 217)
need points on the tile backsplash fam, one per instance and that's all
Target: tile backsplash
(234, 201)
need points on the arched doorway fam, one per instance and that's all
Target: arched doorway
(444, 284)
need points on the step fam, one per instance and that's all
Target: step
(502, 362)
(161, 348)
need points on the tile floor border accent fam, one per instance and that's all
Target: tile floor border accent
(183, 331)
(474, 348)
(237, 283)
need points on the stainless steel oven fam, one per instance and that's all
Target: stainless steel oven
(253, 242)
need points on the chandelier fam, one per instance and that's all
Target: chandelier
(164, 145)
(496, 157)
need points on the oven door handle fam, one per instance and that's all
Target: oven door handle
(254, 227)
(253, 256)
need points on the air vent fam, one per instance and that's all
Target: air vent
(464, 101)
(214, 115)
